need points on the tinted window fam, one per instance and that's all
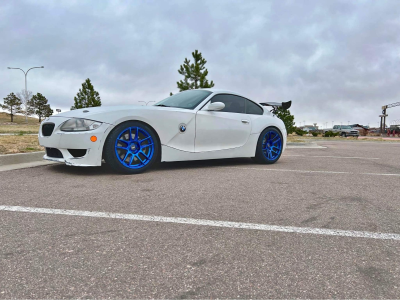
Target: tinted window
(253, 109)
(233, 104)
(186, 99)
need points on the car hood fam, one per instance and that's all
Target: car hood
(93, 112)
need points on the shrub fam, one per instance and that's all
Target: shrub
(330, 133)
(314, 133)
(300, 132)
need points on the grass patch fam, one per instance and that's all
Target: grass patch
(19, 144)
(18, 119)
(20, 128)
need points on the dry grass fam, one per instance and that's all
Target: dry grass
(20, 128)
(18, 119)
(19, 144)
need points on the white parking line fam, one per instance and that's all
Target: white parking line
(311, 171)
(225, 224)
(329, 156)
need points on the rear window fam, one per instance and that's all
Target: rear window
(253, 109)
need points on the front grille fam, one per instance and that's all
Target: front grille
(47, 129)
(53, 152)
(77, 152)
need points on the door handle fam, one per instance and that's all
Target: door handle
(245, 121)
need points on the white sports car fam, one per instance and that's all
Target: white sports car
(192, 125)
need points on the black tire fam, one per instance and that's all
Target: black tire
(260, 157)
(109, 150)
(344, 134)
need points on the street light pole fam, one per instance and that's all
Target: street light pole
(147, 102)
(26, 73)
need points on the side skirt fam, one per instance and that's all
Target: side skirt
(247, 150)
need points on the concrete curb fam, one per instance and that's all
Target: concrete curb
(19, 158)
(26, 165)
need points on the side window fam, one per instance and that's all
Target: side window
(233, 104)
(253, 109)
(335, 127)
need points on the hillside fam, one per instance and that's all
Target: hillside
(18, 119)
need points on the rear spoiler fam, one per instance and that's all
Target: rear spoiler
(284, 105)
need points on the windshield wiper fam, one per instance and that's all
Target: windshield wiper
(163, 105)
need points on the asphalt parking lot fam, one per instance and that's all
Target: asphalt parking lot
(324, 223)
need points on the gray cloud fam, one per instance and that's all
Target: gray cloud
(337, 60)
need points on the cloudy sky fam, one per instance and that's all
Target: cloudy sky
(336, 60)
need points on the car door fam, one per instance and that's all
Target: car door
(225, 129)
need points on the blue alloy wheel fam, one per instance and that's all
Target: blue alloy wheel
(272, 145)
(134, 147)
(269, 146)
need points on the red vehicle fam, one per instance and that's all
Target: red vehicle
(396, 129)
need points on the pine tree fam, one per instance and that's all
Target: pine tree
(286, 117)
(86, 97)
(12, 104)
(194, 74)
(40, 106)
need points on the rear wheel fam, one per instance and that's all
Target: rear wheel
(132, 147)
(269, 146)
(344, 134)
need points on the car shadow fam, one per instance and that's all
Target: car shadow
(165, 166)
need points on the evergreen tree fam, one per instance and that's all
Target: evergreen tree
(40, 106)
(194, 74)
(86, 97)
(12, 104)
(286, 117)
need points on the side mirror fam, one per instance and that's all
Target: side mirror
(216, 106)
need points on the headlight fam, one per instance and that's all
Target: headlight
(80, 125)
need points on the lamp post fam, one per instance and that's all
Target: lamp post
(26, 73)
(147, 102)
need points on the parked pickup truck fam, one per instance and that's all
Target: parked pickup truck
(344, 130)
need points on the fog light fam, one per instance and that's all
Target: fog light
(93, 138)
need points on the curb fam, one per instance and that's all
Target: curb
(20, 158)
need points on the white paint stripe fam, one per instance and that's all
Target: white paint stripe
(346, 157)
(225, 224)
(286, 170)
(311, 171)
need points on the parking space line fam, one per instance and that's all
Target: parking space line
(311, 171)
(202, 222)
(331, 156)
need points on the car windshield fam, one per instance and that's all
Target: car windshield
(345, 127)
(186, 99)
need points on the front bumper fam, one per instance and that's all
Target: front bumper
(352, 134)
(67, 141)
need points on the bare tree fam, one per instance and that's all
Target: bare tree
(25, 97)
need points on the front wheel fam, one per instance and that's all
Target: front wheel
(131, 148)
(269, 146)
